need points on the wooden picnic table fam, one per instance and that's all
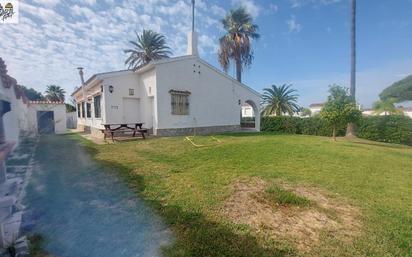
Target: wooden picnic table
(132, 127)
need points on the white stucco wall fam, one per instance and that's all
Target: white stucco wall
(315, 110)
(11, 118)
(89, 98)
(119, 106)
(247, 111)
(214, 99)
(59, 111)
(408, 113)
(148, 100)
(114, 107)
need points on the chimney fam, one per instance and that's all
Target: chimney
(81, 74)
(192, 35)
(82, 80)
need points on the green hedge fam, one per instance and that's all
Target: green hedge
(391, 129)
(295, 125)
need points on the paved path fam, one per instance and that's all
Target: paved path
(84, 210)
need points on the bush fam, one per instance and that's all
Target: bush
(391, 129)
(295, 125)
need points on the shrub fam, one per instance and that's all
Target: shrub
(390, 129)
(295, 125)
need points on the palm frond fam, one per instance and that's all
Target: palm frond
(148, 46)
(279, 100)
(236, 44)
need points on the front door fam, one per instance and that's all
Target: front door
(131, 110)
(45, 122)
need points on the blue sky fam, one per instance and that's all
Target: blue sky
(303, 42)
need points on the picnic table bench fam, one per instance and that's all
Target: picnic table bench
(111, 129)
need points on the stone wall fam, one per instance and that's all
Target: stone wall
(197, 130)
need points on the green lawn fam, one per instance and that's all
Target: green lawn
(189, 185)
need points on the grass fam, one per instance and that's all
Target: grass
(188, 186)
(285, 197)
(36, 246)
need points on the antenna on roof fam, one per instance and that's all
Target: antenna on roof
(81, 74)
(192, 36)
(82, 80)
(193, 15)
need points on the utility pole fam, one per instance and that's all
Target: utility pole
(193, 15)
(350, 131)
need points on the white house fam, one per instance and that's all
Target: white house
(405, 110)
(315, 108)
(170, 96)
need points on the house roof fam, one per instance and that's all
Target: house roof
(46, 102)
(153, 64)
(317, 105)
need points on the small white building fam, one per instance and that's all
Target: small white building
(315, 108)
(170, 96)
(371, 112)
(46, 117)
(247, 111)
(407, 111)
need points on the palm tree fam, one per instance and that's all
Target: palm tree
(236, 44)
(386, 107)
(148, 46)
(279, 100)
(55, 93)
(350, 131)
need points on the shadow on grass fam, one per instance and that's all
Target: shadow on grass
(380, 144)
(195, 235)
(250, 133)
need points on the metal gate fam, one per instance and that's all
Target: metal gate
(45, 122)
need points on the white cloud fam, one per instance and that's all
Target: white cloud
(54, 37)
(90, 2)
(47, 3)
(273, 7)
(208, 43)
(218, 11)
(369, 85)
(301, 3)
(250, 5)
(293, 25)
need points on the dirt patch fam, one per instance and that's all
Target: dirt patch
(301, 226)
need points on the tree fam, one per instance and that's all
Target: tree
(339, 109)
(386, 106)
(279, 100)
(32, 94)
(70, 108)
(236, 44)
(306, 112)
(55, 93)
(400, 90)
(350, 131)
(148, 46)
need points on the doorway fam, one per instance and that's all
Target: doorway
(45, 122)
(131, 110)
